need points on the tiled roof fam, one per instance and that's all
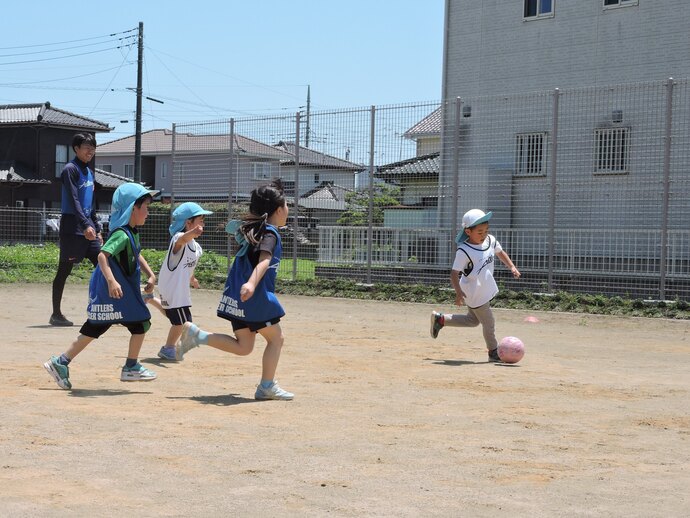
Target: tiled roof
(109, 180)
(310, 157)
(418, 166)
(159, 142)
(44, 114)
(325, 196)
(8, 174)
(428, 126)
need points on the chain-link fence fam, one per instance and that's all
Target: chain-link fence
(589, 187)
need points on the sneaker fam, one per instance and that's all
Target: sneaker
(273, 392)
(493, 356)
(436, 323)
(59, 320)
(188, 340)
(59, 372)
(137, 373)
(168, 352)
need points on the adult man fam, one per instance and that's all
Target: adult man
(80, 232)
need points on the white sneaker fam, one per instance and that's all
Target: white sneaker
(137, 373)
(188, 340)
(273, 392)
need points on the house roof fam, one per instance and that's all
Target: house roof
(13, 173)
(109, 180)
(425, 165)
(429, 126)
(325, 196)
(160, 141)
(44, 114)
(309, 157)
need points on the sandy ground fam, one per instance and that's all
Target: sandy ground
(594, 421)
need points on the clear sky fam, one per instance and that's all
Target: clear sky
(212, 60)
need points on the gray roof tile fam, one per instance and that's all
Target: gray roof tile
(45, 114)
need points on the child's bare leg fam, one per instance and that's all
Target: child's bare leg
(156, 303)
(173, 335)
(274, 345)
(135, 343)
(241, 345)
(78, 346)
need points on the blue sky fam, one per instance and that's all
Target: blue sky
(220, 59)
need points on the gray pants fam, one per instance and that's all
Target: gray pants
(475, 316)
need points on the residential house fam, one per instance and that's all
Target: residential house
(35, 144)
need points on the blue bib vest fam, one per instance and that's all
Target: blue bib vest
(85, 186)
(102, 308)
(263, 306)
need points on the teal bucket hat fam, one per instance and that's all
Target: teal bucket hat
(184, 212)
(472, 218)
(123, 202)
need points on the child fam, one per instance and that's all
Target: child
(114, 289)
(177, 273)
(472, 277)
(249, 301)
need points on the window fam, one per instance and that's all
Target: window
(129, 171)
(61, 152)
(538, 8)
(608, 4)
(164, 169)
(612, 150)
(108, 168)
(317, 176)
(530, 154)
(261, 170)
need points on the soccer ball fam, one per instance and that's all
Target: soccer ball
(511, 349)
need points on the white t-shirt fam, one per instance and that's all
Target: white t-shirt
(176, 273)
(476, 266)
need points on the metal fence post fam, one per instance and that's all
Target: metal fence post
(456, 174)
(295, 227)
(230, 239)
(552, 204)
(172, 170)
(666, 196)
(370, 230)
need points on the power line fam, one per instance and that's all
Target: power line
(69, 41)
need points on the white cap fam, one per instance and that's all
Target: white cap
(475, 217)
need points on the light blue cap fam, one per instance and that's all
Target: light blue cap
(123, 202)
(184, 212)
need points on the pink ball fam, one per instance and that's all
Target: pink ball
(511, 349)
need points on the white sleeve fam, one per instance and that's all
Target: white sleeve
(174, 259)
(497, 247)
(461, 260)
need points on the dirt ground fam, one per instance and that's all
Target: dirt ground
(594, 421)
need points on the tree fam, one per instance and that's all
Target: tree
(357, 203)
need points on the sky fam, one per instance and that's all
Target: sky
(213, 60)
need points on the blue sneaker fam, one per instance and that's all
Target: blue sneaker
(167, 352)
(59, 372)
(188, 340)
(437, 322)
(137, 373)
(273, 392)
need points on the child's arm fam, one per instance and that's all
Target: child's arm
(194, 282)
(151, 282)
(505, 259)
(187, 237)
(247, 289)
(114, 288)
(455, 282)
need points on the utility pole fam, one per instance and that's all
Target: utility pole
(306, 137)
(137, 136)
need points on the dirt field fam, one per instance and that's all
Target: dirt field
(594, 421)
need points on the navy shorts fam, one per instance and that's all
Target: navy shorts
(179, 316)
(96, 330)
(73, 249)
(252, 326)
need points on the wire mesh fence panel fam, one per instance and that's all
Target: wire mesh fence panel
(588, 188)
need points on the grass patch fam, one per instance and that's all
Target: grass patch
(37, 264)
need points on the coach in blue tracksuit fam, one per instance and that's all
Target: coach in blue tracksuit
(80, 232)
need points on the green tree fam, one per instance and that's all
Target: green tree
(357, 203)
